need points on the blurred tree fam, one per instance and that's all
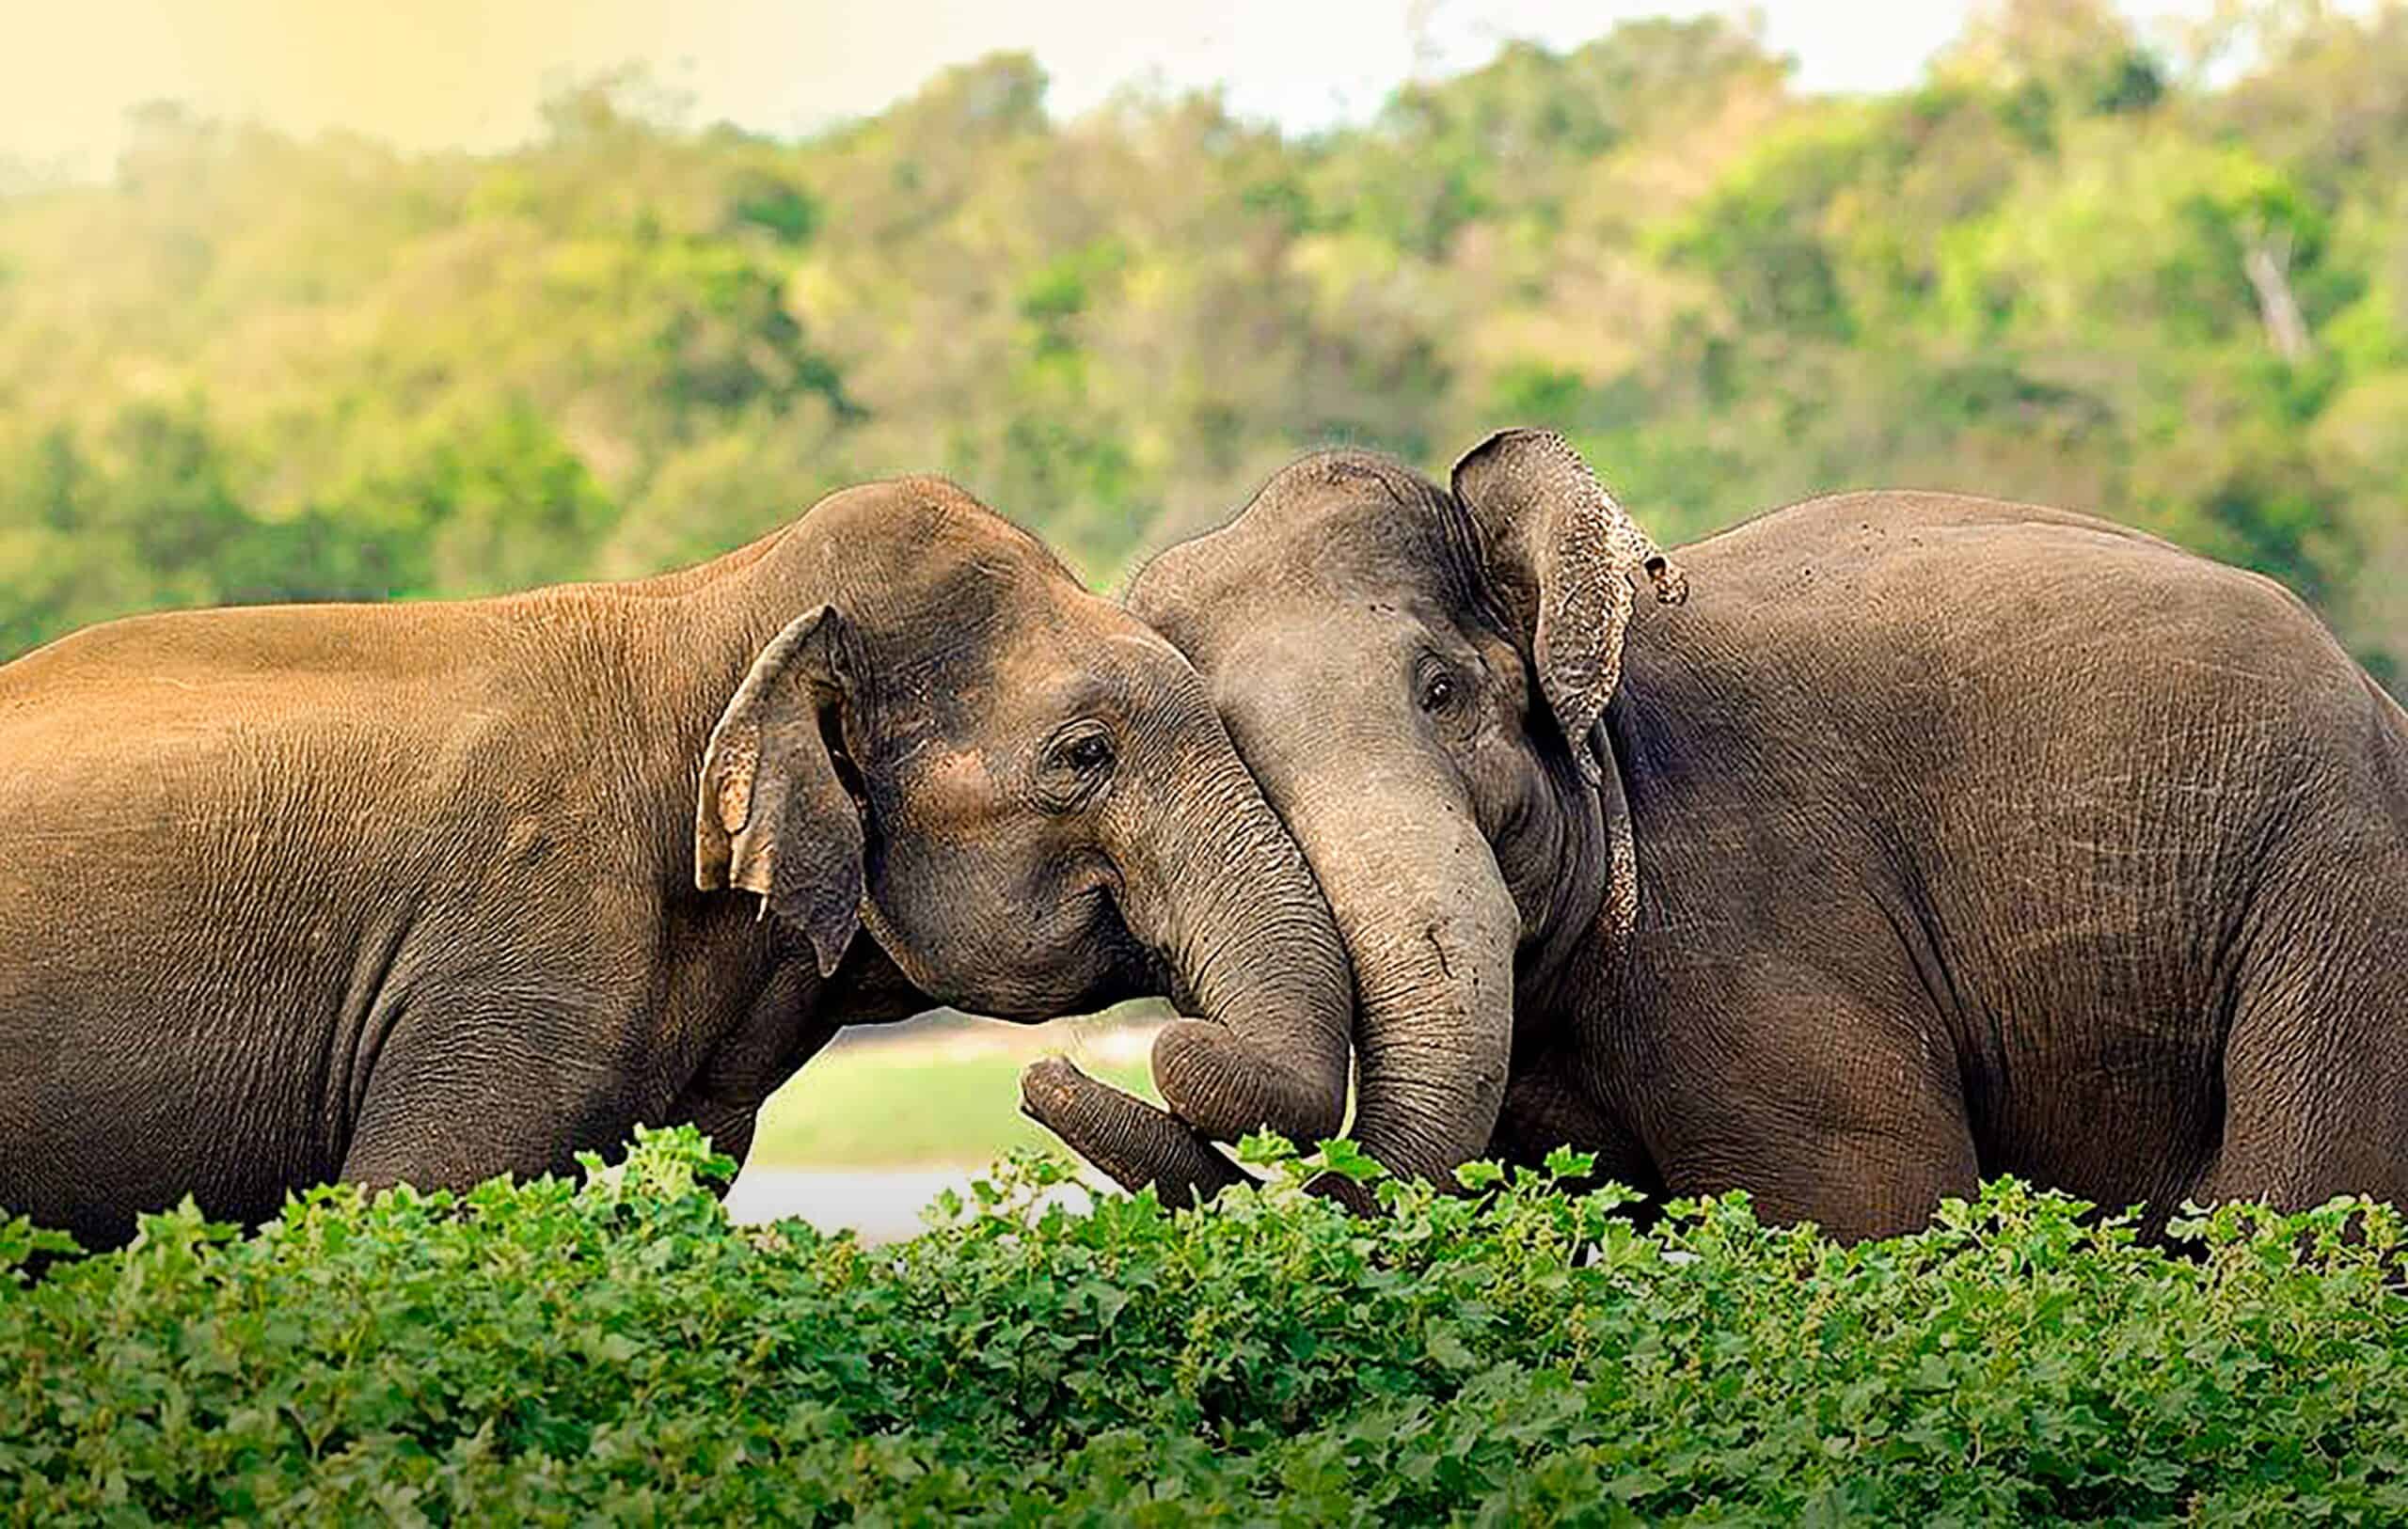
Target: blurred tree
(2171, 285)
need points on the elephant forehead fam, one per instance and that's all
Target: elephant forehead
(934, 578)
(1068, 647)
(1356, 553)
(1310, 667)
(1028, 680)
(989, 646)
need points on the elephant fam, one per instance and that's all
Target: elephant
(434, 892)
(1933, 838)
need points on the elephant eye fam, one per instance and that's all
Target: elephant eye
(1438, 684)
(1077, 763)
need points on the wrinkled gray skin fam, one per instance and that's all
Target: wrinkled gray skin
(429, 893)
(1973, 838)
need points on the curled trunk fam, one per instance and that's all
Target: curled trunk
(1254, 957)
(1431, 930)
(1254, 960)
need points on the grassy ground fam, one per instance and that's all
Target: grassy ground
(943, 1099)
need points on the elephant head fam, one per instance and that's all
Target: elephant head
(1418, 676)
(1024, 795)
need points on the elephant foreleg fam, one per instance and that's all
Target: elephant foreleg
(456, 1100)
(1857, 1126)
(1546, 1107)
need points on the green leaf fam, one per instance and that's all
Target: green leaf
(1265, 1149)
(1349, 1162)
(1564, 1163)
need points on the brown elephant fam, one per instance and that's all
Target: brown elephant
(432, 891)
(1934, 838)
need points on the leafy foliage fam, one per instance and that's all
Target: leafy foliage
(2070, 265)
(548, 1352)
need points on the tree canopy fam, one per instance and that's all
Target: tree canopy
(2166, 284)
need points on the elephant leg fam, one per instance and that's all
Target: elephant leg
(1857, 1124)
(453, 1098)
(1547, 1106)
(2316, 1066)
(730, 1133)
(1544, 1109)
(726, 1095)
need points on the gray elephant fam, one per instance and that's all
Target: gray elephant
(432, 891)
(1935, 838)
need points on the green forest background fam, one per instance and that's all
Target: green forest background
(2163, 279)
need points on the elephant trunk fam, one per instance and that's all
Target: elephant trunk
(1431, 929)
(1255, 956)
(1249, 950)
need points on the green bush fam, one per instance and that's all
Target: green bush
(552, 1353)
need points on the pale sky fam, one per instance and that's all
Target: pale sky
(471, 73)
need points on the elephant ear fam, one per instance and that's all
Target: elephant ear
(1563, 557)
(774, 816)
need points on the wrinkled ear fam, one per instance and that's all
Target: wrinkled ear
(774, 816)
(1562, 556)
